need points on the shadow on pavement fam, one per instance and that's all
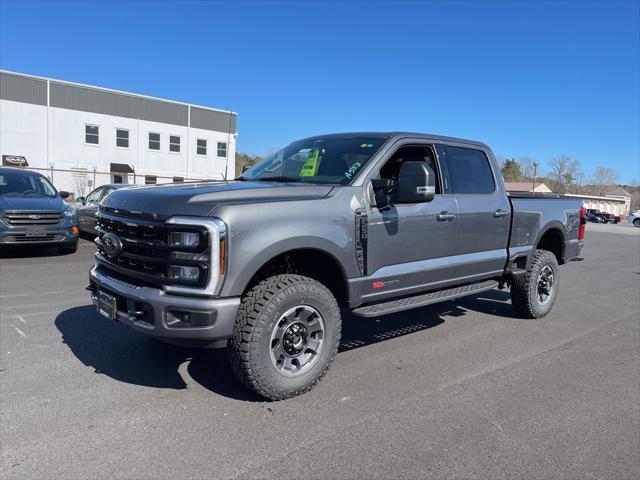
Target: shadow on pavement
(123, 354)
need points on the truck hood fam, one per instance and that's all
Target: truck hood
(8, 202)
(201, 199)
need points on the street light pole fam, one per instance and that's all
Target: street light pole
(535, 170)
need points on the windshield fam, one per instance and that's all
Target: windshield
(20, 184)
(330, 160)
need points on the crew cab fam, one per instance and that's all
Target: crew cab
(33, 213)
(375, 223)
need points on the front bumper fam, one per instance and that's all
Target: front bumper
(56, 235)
(131, 300)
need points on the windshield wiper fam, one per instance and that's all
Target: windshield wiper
(279, 179)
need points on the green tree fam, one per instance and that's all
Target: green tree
(511, 170)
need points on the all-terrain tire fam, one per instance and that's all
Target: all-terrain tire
(261, 309)
(524, 287)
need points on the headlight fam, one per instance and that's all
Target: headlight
(184, 239)
(217, 238)
(178, 272)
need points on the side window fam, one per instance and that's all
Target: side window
(391, 169)
(95, 196)
(469, 170)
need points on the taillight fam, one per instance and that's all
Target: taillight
(583, 223)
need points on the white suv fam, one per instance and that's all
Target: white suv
(634, 217)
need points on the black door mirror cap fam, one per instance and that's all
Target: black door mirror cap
(64, 194)
(416, 183)
(82, 200)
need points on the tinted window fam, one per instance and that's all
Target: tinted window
(92, 134)
(201, 146)
(154, 141)
(222, 149)
(469, 170)
(174, 143)
(122, 138)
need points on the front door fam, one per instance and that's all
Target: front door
(410, 247)
(484, 213)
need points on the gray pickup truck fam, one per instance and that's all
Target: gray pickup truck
(375, 223)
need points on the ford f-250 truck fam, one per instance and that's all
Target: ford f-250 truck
(372, 222)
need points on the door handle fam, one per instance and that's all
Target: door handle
(445, 216)
(500, 213)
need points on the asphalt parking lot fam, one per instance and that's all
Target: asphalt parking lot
(461, 389)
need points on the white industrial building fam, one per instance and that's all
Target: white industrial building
(109, 136)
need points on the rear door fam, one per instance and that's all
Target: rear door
(484, 212)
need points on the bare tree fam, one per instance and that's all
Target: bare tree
(526, 167)
(564, 173)
(604, 177)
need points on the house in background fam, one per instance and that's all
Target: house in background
(526, 187)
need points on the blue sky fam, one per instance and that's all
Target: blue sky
(536, 79)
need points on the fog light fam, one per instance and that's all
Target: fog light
(184, 239)
(183, 273)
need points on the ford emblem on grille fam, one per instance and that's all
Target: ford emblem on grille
(112, 245)
(34, 217)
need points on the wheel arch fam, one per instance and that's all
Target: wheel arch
(552, 238)
(315, 262)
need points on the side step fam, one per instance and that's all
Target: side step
(393, 306)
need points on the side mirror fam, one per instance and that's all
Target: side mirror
(416, 183)
(245, 168)
(64, 194)
(382, 189)
(82, 200)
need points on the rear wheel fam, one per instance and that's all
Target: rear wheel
(534, 292)
(286, 336)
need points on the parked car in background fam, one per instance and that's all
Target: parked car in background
(88, 207)
(610, 217)
(591, 217)
(634, 217)
(32, 212)
(597, 213)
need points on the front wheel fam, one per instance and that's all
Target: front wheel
(534, 292)
(636, 222)
(286, 336)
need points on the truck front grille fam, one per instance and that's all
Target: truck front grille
(146, 257)
(32, 218)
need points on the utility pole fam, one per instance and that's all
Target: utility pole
(535, 171)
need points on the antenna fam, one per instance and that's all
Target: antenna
(226, 166)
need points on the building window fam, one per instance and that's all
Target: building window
(154, 141)
(201, 147)
(178, 179)
(222, 149)
(122, 138)
(150, 179)
(92, 134)
(174, 143)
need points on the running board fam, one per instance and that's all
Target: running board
(393, 306)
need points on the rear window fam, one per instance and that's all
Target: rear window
(469, 170)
